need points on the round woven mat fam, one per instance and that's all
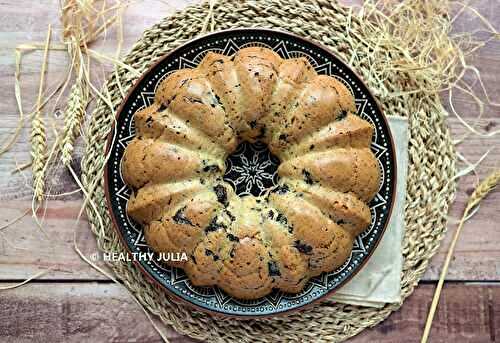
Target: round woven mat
(431, 160)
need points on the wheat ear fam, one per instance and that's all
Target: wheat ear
(38, 136)
(479, 194)
(73, 119)
(483, 190)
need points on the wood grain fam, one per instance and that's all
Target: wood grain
(103, 312)
(75, 312)
(467, 313)
(69, 305)
(477, 256)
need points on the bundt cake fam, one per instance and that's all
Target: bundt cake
(249, 245)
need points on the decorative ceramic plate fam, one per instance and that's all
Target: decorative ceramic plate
(250, 170)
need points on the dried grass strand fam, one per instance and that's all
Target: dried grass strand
(21, 167)
(83, 22)
(209, 19)
(17, 91)
(439, 62)
(435, 67)
(15, 220)
(103, 57)
(31, 278)
(477, 196)
(10, 244)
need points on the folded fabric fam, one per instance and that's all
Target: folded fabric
(379, 281)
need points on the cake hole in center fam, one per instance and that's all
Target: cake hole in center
(252, 169)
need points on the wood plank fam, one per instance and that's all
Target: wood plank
(477, 256)
(144, 15)
(102, 312)
(75, 312)
(466, 313)
(25, 250)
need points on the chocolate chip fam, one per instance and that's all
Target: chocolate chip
(303, 247)
(281, 218)
(221, 193)
(211, 253)
(281, 189)
(162, 107)
(211, 168)
(232, 238)
(273, 268)
(262, 132)
(213, 226)
(307, 177)
(180, 217)
(341, 115)
(230, 215)
(216, 100)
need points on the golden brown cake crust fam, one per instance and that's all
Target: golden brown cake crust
(250, 245)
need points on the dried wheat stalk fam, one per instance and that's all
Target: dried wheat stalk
(38, 137)
(479, 194)
(73, 119)
(82, 21)
(483, 190)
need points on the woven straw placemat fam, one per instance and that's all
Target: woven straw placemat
(431, 160)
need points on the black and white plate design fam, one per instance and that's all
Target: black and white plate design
(251, 170)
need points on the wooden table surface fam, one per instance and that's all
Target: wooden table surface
(74, 303)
